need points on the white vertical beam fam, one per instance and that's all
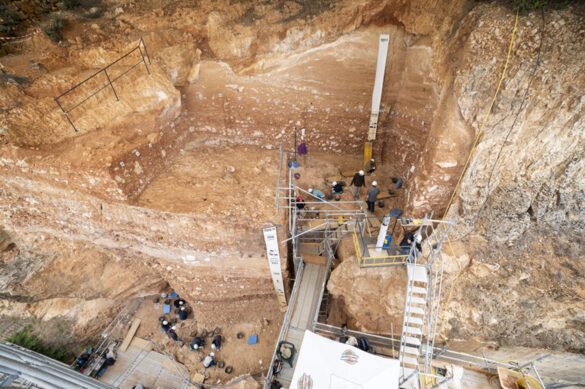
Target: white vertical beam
(382, 233)
(273, 256)
(378, 85)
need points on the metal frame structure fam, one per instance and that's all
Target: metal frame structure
(114, 330)
(108, 81)
(433, 234)
(389, 346)
(32, 370)
(324, 223)
(393, 254)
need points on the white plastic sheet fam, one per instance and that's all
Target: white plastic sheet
(326, 364)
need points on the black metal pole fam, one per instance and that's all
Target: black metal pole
(65, 113)
(143, 60)
(145, 51)
(111, 85)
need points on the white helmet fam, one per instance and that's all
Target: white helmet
(181, 302)
(374, 183)
(165, 322)
(182, 308)
(373, 160)
(361, 172)
(310, 190)
(334, 183)
(212, 354)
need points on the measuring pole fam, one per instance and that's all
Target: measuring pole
(377, 95)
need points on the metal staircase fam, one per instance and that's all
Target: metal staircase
(413, 325)
(422, 304)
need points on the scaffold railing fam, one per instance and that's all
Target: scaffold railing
(364, 260)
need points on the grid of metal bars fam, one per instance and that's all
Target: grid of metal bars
(141, 48)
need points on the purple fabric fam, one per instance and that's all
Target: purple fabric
(302, 149)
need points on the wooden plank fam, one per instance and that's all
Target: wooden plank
(130, 335)
(374, 222)
(315, 259)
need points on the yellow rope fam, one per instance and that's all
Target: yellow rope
(487, 114)
(475, 143)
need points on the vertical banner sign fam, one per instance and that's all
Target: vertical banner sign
(274, 263)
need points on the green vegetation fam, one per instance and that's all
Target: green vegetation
(85, 4)
(9, 20)
(54, 27)
(27, 339)
(91, 9)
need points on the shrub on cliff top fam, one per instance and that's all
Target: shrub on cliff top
(9, 20)
(54, 27)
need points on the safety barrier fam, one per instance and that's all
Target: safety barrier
(107, 81)
(14, 38)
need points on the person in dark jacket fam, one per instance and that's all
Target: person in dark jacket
(407, 241)
(179, 303)
(372, 195)
(216, 342)
(183, 313)
(173, 334)
(197, 343)
(165, 325)
(336, 188)
(300, 202)
(358, 181)
(371, 166)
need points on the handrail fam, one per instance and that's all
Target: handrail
(330, 257)
(369, 261)
(286, 319)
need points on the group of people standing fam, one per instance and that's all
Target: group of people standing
(359, 180)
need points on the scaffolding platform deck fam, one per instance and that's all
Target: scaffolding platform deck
(140, 364)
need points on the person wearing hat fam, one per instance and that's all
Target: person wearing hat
(165, 325)
(172, 333)
(209, 360)
(197, 343)
(216, 342)
(183, 313)
(358, 181)
(372, 196)
(179, 303)
(371, 166)
(336, 188)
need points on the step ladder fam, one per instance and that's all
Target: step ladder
(413, 325)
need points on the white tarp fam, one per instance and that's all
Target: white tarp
(326, 364)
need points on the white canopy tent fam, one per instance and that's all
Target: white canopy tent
(326, 364)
